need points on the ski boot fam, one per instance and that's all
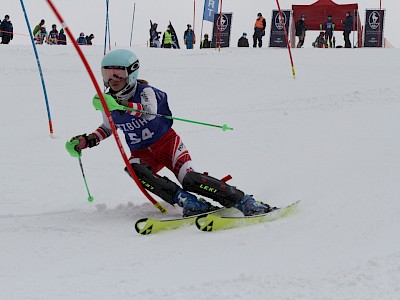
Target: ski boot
(191, 205)
(250, 207)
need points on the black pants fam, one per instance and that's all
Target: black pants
(347, 43)
(258, 34)
(301, 40)
(6, 39)
(328, 38)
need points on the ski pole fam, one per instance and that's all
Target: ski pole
(90, 197)
(113, 105)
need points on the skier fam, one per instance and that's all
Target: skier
(328, 26)
(189, 37)
(154, 144)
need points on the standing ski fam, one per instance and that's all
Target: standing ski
(147, 225)
(223, 218)
(215, 222)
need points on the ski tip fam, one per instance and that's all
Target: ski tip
(140, 227)
(203, 224)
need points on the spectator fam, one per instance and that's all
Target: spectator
(189, 37)
(154, 36)
(320, 41)
(206, 43)
(167, 38)
(89, 39)
(301, 29)
(328, 26)
(41, 35)
(53, 35)
(62, 38)
(243, 41)
(38, 27)
(81, 39)
(6, 30)
(347, 28)
(259, 30)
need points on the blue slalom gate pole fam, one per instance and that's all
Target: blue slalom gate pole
(133, 19)
(107, 29)
(109, 35)
(39, 67)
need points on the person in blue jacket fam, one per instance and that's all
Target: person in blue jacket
(347, 28)
(154, 144)
(189, 37)
(329, 27)
(6, 30)
(81, 40)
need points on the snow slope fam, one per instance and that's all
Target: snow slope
(329, 137)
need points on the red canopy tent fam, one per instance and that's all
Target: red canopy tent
(318, 12)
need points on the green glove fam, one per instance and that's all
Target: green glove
(320, 26)
(110, 101)
(72, 149)
(77, 143)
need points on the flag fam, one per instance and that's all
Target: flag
(210, 8)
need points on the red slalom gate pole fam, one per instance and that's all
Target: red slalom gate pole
(287, 39)
(106, 110)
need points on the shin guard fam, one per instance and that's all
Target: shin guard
(212, 188)
(160, 186)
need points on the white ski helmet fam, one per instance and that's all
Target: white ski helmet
(126, 59)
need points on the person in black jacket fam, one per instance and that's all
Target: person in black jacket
(6, 30)
(301, 29)
(89, 39)
(154, 36)
(62, 38)
(347, 28)
(243, 41)
(206, 43)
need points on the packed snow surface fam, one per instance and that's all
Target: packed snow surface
(330, 137)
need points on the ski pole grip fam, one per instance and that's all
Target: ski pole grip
(110, 101)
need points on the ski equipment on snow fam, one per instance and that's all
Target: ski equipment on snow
(147, 226)
(213, 222)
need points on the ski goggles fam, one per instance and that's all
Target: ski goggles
(117, 72)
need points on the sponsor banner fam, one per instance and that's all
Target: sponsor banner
(277, 34)
(210, 8)
(221, 30)
(373, 30)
